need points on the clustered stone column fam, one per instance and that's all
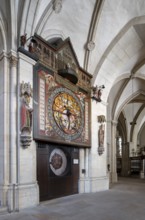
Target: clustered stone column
(13, 174)
(125, 159)
(113, 173)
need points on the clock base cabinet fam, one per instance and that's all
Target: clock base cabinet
(57, 170)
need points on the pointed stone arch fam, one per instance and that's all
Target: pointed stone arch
(140, 132)
(135, 119)
(53, 33)
(42, 21)
(28, 22)
(126, 96)
(3, 33)
(99, 74)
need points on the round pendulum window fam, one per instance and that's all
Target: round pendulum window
(58, 162)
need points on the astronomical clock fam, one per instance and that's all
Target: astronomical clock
(61, 99)
(66, 114)
(61, 116)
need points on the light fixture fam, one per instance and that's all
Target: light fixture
(97, 93)
(133, 122)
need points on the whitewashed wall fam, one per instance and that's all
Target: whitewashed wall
(28, 188)
(96, 176)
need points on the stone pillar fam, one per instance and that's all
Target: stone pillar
(98, 178)
(12, 197)
(142, 174)
(82, 171)
(84, 183)
(13, 175)
(28, 187)
(13, 119)
(109, 144)
(4, 129)
(94, 166)
(125, 159)
(87, 180)
(113, 171)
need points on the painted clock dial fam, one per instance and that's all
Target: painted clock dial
(66, 113)
(58, 162)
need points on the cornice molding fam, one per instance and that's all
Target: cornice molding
(12, 56)
(26, 58)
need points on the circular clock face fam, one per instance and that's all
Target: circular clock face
(66, 113)
(58, 162)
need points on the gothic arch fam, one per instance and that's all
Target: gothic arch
(42, 21)
(3, 36)
(28, 21)
(140, 132)
(53, 33)
(134, 21)
(139, 125)
(99, 75)
(127, 95)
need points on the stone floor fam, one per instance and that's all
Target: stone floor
(124, 201)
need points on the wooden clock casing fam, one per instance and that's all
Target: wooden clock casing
(61, 107)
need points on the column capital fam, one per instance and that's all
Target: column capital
(3, 54)
(113, 122)
(12, 56)
(13, 61)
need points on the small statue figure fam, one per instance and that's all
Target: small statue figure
(26, 114)
(101, 134)
(101, 118)
(23, 40)
(97, 93)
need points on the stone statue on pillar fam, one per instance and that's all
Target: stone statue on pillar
(26, 114)
(101, 134)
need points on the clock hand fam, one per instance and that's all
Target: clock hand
(68, 115)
